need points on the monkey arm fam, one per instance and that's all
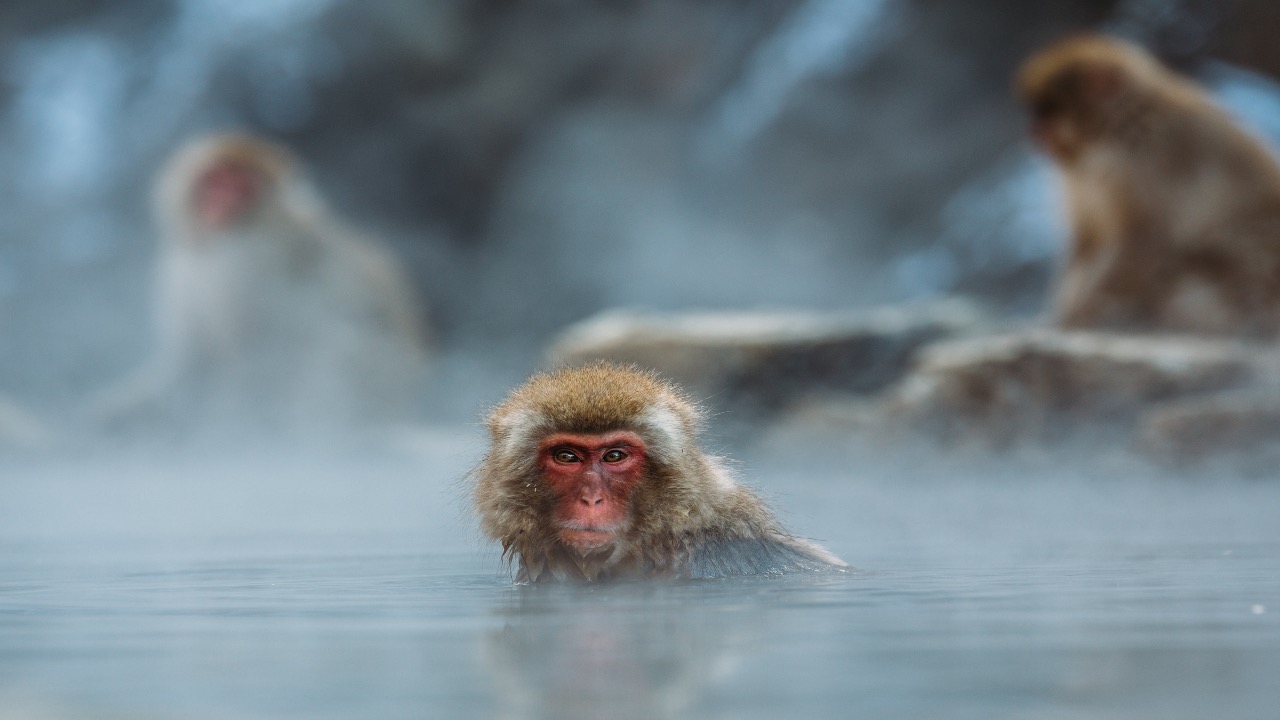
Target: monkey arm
(1078, 301)
(143, 390)
(177, 343)
(1121, 257)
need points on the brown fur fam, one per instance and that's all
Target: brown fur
(688, 518)
(1175, 209)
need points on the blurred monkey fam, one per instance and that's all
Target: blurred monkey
(1175, 210)
(267, 310)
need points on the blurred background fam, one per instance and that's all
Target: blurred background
(531, 163)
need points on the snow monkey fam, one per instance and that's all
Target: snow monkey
(267, 309)
(1175, 210)
(595, 473)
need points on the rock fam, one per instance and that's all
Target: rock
(758, 362)
(1047, 385)
(1244, 424)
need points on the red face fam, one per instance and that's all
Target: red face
(592, 477)
(225, 193)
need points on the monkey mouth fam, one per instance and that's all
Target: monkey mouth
(585, 537)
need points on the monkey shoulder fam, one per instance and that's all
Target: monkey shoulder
(745, 539)
(769, 553)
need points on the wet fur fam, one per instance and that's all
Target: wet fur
(688, 518)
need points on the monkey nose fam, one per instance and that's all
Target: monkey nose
(592, 498)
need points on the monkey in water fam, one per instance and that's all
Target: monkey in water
(595, 473)
(1175, 210)
(269, 314)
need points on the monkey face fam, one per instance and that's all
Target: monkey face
(1060, 113)
(591, 477)
(1057, 136)
(226, 193)
(1073, 104)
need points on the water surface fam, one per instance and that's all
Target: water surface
(268, 587)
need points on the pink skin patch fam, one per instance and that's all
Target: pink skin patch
(592, 477)
(226, 193)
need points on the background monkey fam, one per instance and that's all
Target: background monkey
(595, 473)
(1175, 210)
(268, 311)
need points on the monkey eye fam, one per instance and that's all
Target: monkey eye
(565, 456)
(614, 456)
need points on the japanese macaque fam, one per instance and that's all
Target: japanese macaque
(595, 473)
(269, 314)
(1175, 209)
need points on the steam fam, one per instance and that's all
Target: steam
(88, 106)
(822, 37)
(276, 37)
(1003, 219)
(1254, 99)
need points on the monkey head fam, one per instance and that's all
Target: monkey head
(1078, 91)
(226, 194)
(218, 184)
(584, 461)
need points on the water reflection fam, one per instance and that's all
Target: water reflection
(632, 651)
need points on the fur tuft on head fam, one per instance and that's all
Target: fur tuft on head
(596, 398)
(1082, 55)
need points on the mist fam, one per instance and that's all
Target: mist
(528, 167)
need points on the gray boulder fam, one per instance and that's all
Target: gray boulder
(1241, 426)
(1048, 385)
(758, 362)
